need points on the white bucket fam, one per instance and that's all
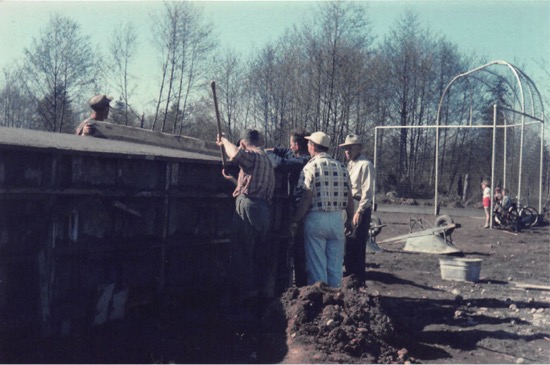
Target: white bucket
(460, 269)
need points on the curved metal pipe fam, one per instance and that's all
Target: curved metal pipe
(520, 98)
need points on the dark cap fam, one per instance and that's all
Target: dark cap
(99, 102)
(251, 135)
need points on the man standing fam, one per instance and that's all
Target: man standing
(325, 192)
(362, 175)
(251, 249)
(100, 106)
(292, 160)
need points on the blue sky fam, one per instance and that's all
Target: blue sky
(517, 31)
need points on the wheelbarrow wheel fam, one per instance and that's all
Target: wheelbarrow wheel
(442, 221)
(375, 221)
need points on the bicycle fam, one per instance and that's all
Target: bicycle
(529, 216)
(507, 218)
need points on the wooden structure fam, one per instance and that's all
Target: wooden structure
(90, 227)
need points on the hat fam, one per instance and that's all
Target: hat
(351, 139)
(99, 101)
(319, 138)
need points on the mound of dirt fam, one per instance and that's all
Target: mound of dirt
(346, 325)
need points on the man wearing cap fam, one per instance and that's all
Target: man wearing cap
(325, 192)
(362, 174)
(100, 106)
(251, 249)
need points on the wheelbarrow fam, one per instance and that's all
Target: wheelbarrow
(435, 239)
(374, 230)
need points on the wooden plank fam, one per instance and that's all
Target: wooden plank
(144, 136)
(532, 286)
(425, 232)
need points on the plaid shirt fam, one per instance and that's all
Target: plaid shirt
(328, 181)
(256, 177)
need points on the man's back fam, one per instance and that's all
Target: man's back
(328, 181)
(256, 177)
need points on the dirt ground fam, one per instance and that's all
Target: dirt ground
(406, 314)
(498, 319)
(502, 318)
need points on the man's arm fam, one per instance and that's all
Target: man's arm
(367, 182)
(229, 177)
(285, 158)
(292, 163)
(283, 152)
(350, 208)
(230, 149)
(303, 205)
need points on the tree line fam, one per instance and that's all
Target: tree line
(329, 73)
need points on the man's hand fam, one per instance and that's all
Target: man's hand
(229, 177)
(230, 148)
(357, 218)
(226, 175)
(219, 139)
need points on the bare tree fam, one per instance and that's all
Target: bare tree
(123, 48)
(184, 42)
(410, 57)
(312, 78)
(58, 67)
(230, 79)
(14, 111)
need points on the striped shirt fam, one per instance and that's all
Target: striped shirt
(328, 181)
(256, 176)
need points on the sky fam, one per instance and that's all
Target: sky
(516, 31)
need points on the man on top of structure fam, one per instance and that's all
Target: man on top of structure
(100, 106)
(362, 175)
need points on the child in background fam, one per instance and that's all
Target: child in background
(486, 186)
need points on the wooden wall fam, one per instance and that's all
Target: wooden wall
(86, 235)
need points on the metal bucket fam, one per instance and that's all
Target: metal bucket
(460, 269)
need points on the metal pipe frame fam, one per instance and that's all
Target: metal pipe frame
(533, 92)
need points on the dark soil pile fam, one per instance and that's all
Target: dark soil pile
(342, 326)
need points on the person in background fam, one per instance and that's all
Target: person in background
(100, 106)
(486, 188)
(362, 175)
(292, 160)
(325, 192)
(251, 249)
(502, 201)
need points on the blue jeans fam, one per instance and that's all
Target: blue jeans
(324, 243)
(251, 249)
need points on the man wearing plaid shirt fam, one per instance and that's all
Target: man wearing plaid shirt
(251, 249)
(326, 191)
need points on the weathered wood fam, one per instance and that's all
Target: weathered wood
(144, 136)
(88, 221)
(532, 286)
